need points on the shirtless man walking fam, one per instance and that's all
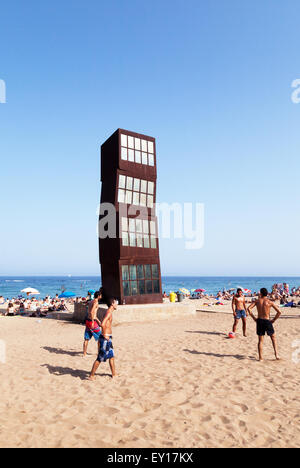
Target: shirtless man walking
(264, 324)
(106, 350)
(92, 323)
(239, 311)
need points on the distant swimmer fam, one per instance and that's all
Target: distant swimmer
(239, 311)
(264, 324)
(106, 349)
(92, 323)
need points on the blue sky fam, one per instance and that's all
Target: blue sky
(211, 80)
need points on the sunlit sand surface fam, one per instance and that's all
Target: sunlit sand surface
(181, 383)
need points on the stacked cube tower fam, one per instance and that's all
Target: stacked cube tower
(130, 264)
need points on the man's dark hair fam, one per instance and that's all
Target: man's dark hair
(110, 301)
(239, 290)
(97, 294)
(264, 292)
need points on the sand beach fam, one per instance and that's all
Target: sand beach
(181, 383)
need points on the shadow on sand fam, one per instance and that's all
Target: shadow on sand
(62, 351)
(235, 356)
(59, 371)
(207, 333)
(76, 373)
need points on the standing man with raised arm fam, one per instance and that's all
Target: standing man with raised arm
(239, 311)
(92, 323)
(263, 321)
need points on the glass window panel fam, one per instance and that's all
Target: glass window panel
(129, 183)
(142, 289)
(124, 224)
(138, 158)
(144, 186)
(145, 226)
(143, 199)
(151, 188)
(128, 197)
(156, 288)
(151, 160)
(153, 228)
(150, 201)
(140, 272)
(130, 142)
(136, 198)
(144, 158)
(139, 240)
(134, 289)
(144, 146)
(146, 242)
(153, 242)
(126, 288)
(122, 181)
(150, 147)
(132, 239)
(130, 155)
(121, 196)
(149, 289)
(137, 143)
(123, 140)
(124, 154)
(132, 225)
(132, 270)
(148, 271)
(136, 185)
(154, 271)
(125, 241)
(125, 272)
(139, 225)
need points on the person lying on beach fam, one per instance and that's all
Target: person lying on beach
(263, 322)
(92, 323)
(239, 311)
(106, 351)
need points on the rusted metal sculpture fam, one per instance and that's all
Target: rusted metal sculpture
(130, 265)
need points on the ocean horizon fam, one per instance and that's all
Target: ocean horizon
(11, 286)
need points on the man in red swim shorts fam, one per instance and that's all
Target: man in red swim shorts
(92, 323)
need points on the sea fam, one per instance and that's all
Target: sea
(80, 285)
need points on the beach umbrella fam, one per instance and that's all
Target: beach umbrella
(31, 291)
(66, 295)
(91, 291)
(247, 291)
(184, 291)
(200, 290)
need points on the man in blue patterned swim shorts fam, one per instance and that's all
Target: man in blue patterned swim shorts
(239, 311)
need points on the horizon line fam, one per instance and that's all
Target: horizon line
(166, 275)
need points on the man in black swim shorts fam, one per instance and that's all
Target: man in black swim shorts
(263, 322)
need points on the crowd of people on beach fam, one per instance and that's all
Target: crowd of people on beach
(32, 307)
